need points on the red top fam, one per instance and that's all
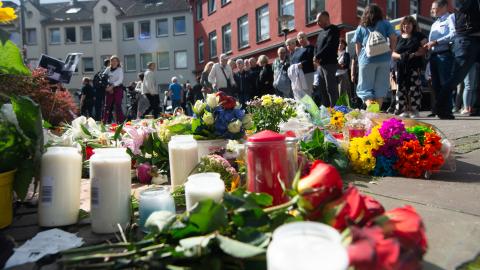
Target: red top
(266, 136)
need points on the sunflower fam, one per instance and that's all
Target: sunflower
(7, 14)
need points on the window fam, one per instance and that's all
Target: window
(179, 26)
(54, 35)
(163, 60)
(212, 42)
(211, 6)
(180, 59)
(130, 63)
(361, 5)
(144, 29)
(162, 27)
(128, 31)
(200, 50)
(286, 8)
(243, 34)
(224, 2)
(226, 38)
(87, 64)
(144, 59)
(199, 10)
(392, 9)
(31, 36)
(263, 23)
(313, 8)
(414, 4)
(86, 32)
(105, 31)
(70, 35)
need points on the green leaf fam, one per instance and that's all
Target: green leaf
(261, 199)
(160, 221)
(116, 136)
(23, 178)
(11, 60)
(343, 100)
(196, 123)
(238, 249)
(253, 236)
(85, 130)
(46, 124)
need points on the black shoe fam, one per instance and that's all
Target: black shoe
(475, 113)
(431, 115)
(446, 117)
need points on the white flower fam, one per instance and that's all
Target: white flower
(212, 100)
(208, 118)
(199, 107)
(235, 126)
(247, 121)
(77, 132)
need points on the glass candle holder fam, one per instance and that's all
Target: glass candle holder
(203, 186)
(154, 199)
(306, 246)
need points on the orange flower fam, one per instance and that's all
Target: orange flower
(432, 141)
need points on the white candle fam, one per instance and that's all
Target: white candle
(59, 200)
(306, 246)
(183, 157)
(110, 189)
(203, 186)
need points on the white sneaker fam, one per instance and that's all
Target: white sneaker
(415, 115)
(405, 115)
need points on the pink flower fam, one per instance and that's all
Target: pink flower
(135, 138)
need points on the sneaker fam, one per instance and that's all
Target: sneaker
(415, 115)
(405, 115)
(465, 112)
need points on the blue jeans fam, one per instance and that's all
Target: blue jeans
(470, 88)
(441, 68)
(466, 51)
(175, 104)
(373, 81)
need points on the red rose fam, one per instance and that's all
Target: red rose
(227, 102)
(370, 250)
(406, 225)
(88, 152)
(320, 186)
(143, 173)
(373, 208)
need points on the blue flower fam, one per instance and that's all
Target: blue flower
(342, 108)
(385, 166)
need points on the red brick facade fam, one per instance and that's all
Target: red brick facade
(342, 13)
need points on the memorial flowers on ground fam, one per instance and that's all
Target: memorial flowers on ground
(269, 111)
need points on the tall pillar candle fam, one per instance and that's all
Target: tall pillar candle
(183, 157)
(203, 186)
(61, 173)
(110, 189)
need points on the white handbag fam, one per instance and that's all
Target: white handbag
(376, 44)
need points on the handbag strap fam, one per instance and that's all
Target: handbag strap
(224, 74)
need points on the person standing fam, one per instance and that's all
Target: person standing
(207, 86)
(175, 92)
(150, 90)
(343, 75)
(466, 52)
(304, 57)
(470, 89)
(100, 83)
(265, 77)
(281, 82)
(409, 56)
(373, 71)
(253, 73)
(114, 91)
(87, 98)
(441, 61)
(221, 76)
(326, 58)
(197, 89)
(242, 80)
(143, 104)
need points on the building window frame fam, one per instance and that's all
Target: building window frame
(282, 3)
(50, 39)
(140, 34)
(175, 33)
(157, 22)
(227, 33)
(225, 2)
(261, 14)
(199, 10)
(175, 59)
(212, 44)
(84, 66)
(212, 7)
(67, 28)
(127, 67)
(242, 24)
(82, 36)
(28, 41)
(361, 5)
(200, 50)
(125, 30)
(414, 6)
(159, 66)
(143, 62)
(310, 16)
(392, 9)
(101, 26)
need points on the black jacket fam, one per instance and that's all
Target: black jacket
(305, 56)
(327, 45)
(467, 17)
(253, 74)
(242, 80)
(265, 81)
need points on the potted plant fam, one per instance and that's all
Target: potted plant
(20, 151)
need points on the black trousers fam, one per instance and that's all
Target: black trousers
(154, 105)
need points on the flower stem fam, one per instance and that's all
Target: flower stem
(282, 206)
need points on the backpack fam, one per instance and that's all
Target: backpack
(100, 80)
(376, 44)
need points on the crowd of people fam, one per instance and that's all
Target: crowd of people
(384, 62)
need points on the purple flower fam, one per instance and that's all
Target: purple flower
(392, 128)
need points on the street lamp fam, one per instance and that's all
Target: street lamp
(283, 20)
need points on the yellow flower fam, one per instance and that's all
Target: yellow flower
(337, 120)
(7, 14)
(278, 100)
(267, 102)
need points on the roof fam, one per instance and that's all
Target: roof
(10, 4)
(66, 12)
(131, 8)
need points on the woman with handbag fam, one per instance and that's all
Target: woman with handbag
(114, 91)
(374, 55)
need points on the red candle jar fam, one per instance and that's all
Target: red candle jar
(356, 133)
(267, 164)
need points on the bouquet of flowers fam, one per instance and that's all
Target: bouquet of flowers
(270, 110)
(391, 149)
(220, 116)
(218, 164)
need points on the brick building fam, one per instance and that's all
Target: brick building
(245, 28)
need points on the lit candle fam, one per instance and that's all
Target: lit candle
(183, 157)
(203, 186)
(154, 199)
(110, 189)
(306, 246)
(59, 199)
